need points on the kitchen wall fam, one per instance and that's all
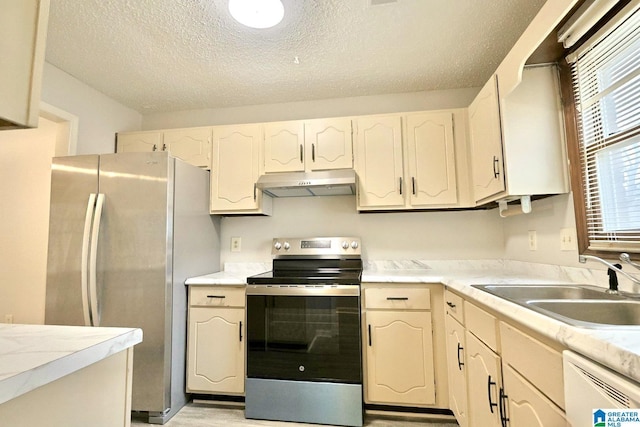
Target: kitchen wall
(25, 163)
(385, 236)
(100, 117)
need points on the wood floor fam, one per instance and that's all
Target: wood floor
(208, 415)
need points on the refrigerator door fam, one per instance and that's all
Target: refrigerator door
(73, 181)
(134, 265)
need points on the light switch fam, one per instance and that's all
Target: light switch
(568, 239)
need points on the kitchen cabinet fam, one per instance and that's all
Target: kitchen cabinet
(399, 349)
(456, 350)
(512, 377)
(23, 37)
(411, 161)
(310, 145)
(237, 156)
(517, 140)
(193, 145)
(215, 361)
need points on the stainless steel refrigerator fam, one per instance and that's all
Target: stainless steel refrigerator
(125, 232)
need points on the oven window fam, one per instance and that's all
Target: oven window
(305, 338)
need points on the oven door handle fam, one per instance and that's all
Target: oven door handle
(307, 291)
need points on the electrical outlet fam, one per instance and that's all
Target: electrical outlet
(236, 244)
(568, 239)
(533, 240)
(8, 318)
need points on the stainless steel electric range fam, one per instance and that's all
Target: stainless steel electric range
(303, 333)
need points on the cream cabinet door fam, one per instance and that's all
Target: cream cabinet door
(235, 168)
(527, 406)
(216, 350)
(379, 161)
(483, 381)
(191, 145)
(486, 142)
(329, 144)
(432, 162)
(400, 358)
(457, 370)
(139, 142)
(284, 147)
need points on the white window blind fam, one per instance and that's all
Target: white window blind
(606, 78)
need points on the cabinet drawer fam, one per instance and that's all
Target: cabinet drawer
(482, 325)
(216, 296)
(398, 298)
(537, 362)
(454, 306)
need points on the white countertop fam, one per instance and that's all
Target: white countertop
(34, 355)
(618, 349)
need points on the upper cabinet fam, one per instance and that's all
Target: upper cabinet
(193, 145)
(312, 145)
(412, 161)
(23, 35)
(235, 171)
(518, 140)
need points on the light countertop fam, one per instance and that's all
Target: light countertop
(34, 355)
(618, 349)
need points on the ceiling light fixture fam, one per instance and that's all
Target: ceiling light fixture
(257, 13)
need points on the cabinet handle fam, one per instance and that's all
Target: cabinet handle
(503, 408)
(460, 363)
(155, 148)
(450, 304)
(369, 329)
(301, 154)
(164, 147)
(397, 299)
(241, 331)
(496, 167)
(413, 185)
(489, 384)
(255, 186)
(313, 152)
(216, 296)
(400, 185)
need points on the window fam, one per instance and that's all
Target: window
(606, 85)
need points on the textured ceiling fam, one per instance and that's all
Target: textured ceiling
(172, 55)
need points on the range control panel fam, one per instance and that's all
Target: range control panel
(316, 246)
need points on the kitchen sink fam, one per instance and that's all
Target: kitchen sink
(519, 293)
(591, 313)
(578, 305)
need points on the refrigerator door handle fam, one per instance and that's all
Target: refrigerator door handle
(93, 262)
(84, 281)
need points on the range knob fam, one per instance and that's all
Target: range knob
(354, 244)
(286, 246)
(277, 245)
(345, 244)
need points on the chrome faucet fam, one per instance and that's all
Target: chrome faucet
(616, 268)
(624, 257)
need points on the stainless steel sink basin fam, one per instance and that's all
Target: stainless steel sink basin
(578, 305)
(519, 293)
(591, 313)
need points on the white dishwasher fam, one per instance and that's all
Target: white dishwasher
(589, 387)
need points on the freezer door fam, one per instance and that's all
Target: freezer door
(134, 265)
(73, 180)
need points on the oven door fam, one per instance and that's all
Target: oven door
(304, 333)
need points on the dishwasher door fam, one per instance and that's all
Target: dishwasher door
(592, 391)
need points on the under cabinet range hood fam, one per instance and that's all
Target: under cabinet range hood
(339, 182)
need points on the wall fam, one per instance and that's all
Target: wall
(25, 179)
(378, 104)
(100, 117)
(385, 236)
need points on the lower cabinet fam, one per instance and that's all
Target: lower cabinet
(398, 339)
(216, 341)
(499, 374)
